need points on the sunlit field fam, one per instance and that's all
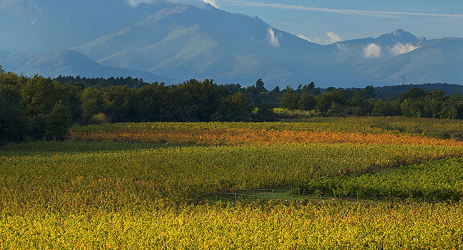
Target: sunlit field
(372, 183)
(358, 130)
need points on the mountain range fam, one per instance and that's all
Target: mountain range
(173, 42)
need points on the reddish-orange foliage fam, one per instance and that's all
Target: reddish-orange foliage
(242, 136)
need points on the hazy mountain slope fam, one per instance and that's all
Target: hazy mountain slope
(387, 59)
(67, 63)
(50, 25)
(184, 41)
(437, 60)
(384, 46)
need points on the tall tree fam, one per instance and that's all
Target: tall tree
(13, 120)
(260, 86)
(116, 103)
(59, 120)
(234, 108)
(92, 103)
(40, 94)
(289, 99)
(307, 101)
(149, 102)
(326, 100)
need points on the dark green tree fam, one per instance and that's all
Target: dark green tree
(433, 103)
(289, 99)
(234, 108)
(413, 93)
(37, 127)
(232, 88)
(71, 96)
(40, 94)
(13, 120)
(92, 103)
(116, 103)
(149, 102)
(309, 87)
(260, 86)
(358, 105)
(385, 108)
(193, 100)
(307, 101)
(326, 100)
(58, 122)
(413, 107)
(368, 92)
(453, 108)
(12, 79)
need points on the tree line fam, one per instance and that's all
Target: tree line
(37, 108)
(415, 102)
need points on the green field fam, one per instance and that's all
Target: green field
(118, 195)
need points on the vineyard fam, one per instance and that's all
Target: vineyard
(371, 183)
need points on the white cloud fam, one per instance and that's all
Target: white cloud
(329, 39)
(211, 2)
(401, 48)
(312, 40)
(273, 39)
(372, 50)
(333, 38)
(341, 11)
(303, 37)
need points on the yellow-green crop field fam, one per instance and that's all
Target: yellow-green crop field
(356, 183)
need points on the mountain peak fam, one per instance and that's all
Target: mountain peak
(398, 32)
(398, 36)
(402, 34)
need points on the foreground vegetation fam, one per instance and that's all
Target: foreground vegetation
(241, 226)
(431, 181)
(386, 183)
(64, 180)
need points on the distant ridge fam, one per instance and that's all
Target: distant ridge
(68, 63)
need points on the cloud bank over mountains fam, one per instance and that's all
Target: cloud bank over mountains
(401, 48)
(330, 38)
(372, 50)
(272, 38)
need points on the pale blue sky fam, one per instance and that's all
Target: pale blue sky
(324, 21)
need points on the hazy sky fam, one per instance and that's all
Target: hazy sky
(325, 21)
